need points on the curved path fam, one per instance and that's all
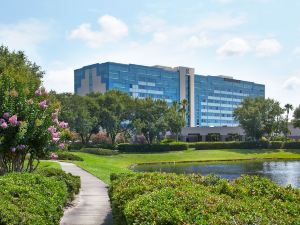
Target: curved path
(92, 205)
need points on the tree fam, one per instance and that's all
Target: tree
(81, 113)
(183, 109)
(175, 120)
(259, 116)
(29, 123)
(115, 113)
(296, 120)
(249, 116)
(288, 108)
(150, 118)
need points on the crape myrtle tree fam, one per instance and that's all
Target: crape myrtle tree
(29, 123)
(259, 117)
(81, 113)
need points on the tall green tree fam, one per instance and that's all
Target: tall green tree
(175, 120)
(259, 116)
(296, 119)
(81, 112)
(150, 118)
(115, 113)
(288, 108)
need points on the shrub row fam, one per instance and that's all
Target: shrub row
(78, 146)
(246, 145)
(64, 155)
(159, 198)
(99, 151)
(37, 198)
(144, 148)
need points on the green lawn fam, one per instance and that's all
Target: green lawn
(103, 166)
(49, 164)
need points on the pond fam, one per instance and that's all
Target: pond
(283, 172)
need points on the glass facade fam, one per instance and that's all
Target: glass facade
(214, 97)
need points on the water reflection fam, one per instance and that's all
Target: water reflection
(281, 172)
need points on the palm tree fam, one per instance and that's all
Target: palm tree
(288, 108)
(184, 103)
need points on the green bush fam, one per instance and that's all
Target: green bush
(64, 155)
(35, 198)
(79, 145)
(292, 145)
(72, 182)
(158, 198)
(144, 148)
(99, 151)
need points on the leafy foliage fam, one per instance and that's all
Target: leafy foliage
(28, 115)
(99, 151)
(259, 116)
(35, 198)
(157, 198)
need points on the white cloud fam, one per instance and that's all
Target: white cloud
(268, 47)
(159, 37)
(60, 80)
(234, 47)
(292, 83)
(111, 30)
(196, 41)
(221, 21)
(25, 35)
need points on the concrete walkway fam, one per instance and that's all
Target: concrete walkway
(92, 205)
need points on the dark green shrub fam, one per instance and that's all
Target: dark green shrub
(292, 145)
(72, 182)
(231, 145)
(144, 148)
(79, 145)
(276, 144)
(99, 151)
(213, 137)
(31, 199)
(64, 155)
(158, 198)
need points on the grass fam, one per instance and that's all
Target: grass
(49, 164)
(103, 166)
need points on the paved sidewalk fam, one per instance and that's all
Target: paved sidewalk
(92, 205)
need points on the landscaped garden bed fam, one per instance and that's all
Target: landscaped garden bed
(36, 198)
(158, 198)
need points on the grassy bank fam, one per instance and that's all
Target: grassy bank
(103, 166)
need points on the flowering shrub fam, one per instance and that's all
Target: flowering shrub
(29, 126)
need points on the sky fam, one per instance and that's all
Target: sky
(253, 40)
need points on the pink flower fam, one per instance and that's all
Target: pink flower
(6, 115)
(38, 92)
(52, 129)
(55, 135)
(21, 147)
(2, 120)
(4, 125)
(54, 156)
(63, 125)
(55, 140)
(61, 146)
(43, 104)
(13, 120)
(13, 149)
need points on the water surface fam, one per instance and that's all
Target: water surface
(283, 172)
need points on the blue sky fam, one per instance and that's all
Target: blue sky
(255, 40)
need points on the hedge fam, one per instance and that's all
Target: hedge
(79, 145)
(64, 155)
(30, 199)
(246, 145)
(99, 151)
(144, 148)
(159, 198)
